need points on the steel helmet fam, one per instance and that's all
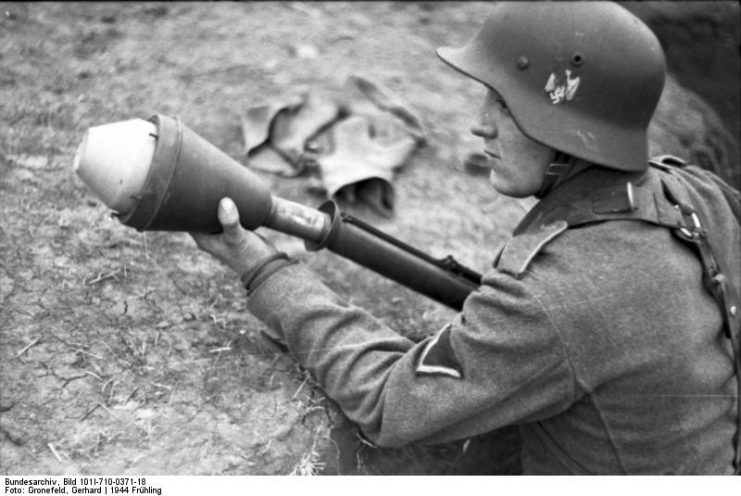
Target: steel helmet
(581, 77)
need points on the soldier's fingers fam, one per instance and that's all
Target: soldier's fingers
(229, 219)
(228, 213)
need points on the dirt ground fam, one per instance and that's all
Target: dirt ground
(132, 353)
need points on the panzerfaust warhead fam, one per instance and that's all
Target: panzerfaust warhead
(158, 175)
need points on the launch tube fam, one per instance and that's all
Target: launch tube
(444, 280)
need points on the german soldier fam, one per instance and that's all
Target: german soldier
(608, 328)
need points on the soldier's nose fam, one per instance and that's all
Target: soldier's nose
(484, 131)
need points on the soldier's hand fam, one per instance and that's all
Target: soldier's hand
(236, 247)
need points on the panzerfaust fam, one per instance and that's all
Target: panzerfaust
(158, 175)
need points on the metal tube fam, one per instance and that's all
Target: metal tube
(446, 283)
(406, 268)
(298, 220)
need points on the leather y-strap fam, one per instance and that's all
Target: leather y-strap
(657, 197)
(691, 231)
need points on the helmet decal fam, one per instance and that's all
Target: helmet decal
(583, 78)
(561, 90)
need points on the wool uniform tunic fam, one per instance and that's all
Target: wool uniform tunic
(599, 341)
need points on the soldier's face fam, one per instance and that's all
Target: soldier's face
(517, 163)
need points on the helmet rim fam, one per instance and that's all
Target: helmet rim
(607, 121)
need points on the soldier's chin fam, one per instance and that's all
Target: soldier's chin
(506, 187)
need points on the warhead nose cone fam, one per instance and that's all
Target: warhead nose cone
(114, 160)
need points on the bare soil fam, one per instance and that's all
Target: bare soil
(133, 353)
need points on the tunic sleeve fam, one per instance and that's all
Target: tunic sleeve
(499, 362)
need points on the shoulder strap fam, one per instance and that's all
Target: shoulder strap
(657, 197)
(715, 280)
(610, 195)
(516, 255)
(599, 195)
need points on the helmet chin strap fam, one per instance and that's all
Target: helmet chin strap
(563, 167)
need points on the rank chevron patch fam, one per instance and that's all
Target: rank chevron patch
(438, 357)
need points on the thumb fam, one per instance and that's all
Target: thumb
(227, 213)
(229, 217)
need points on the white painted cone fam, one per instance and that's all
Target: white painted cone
(114, 160)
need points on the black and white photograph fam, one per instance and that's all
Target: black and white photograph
(368, 238)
